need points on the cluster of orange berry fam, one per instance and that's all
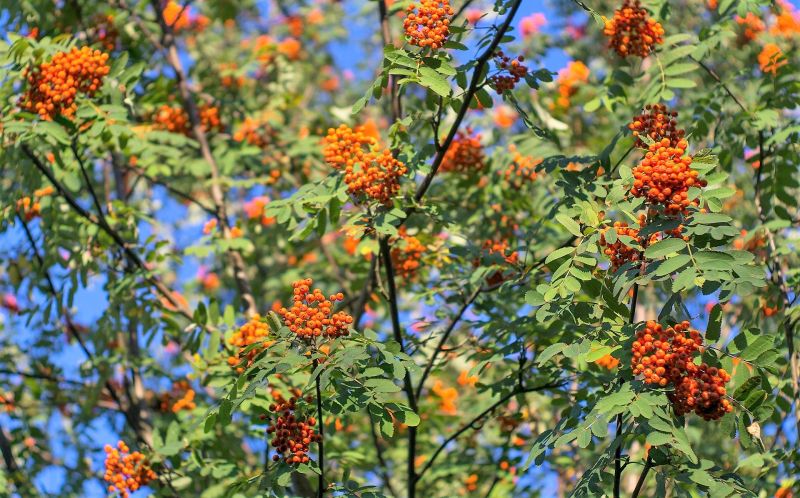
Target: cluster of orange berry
(256, 209)
(255, 132)
(632, 31)
(105, 32)
(378, 177)
(501, 248)
(569, 80)
(126, 472)
(665, 357)
(179, 17)
(183, 396)
(752, 26)
(406, 255)
(261, 134)
(54, 85)
(229, 77)
(209, 118)
(175, 119)
(661, 354)
(30, 208)
(311, 314)
(656, 122)
(516, 71)
(522, 169)
(427, 24)
(471, 482)
(664, 177)
(292, 435)
(620, 253)
(702, 391)
(465, 154)
(370, 172)
(255, 331)
(447, 398)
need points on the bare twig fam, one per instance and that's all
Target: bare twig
(446, 335)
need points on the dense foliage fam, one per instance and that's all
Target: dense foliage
(249, 252)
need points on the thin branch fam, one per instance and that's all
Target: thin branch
(386, 38)
(8, 455)
(459, 315)
(779, 279)
(407, 383)
(15, 473)
(618, 450)
(360, 305)
(142, 434)
(647, 465)
(618, 458)
(462, 9)
(97, 204)
(583, 6)
(42, 376)
(471, 424)
(381, 459)
(321, 443)
(183, 195)
(445, 336)
(719, 81)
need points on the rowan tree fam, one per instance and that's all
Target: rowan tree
(419, 248)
